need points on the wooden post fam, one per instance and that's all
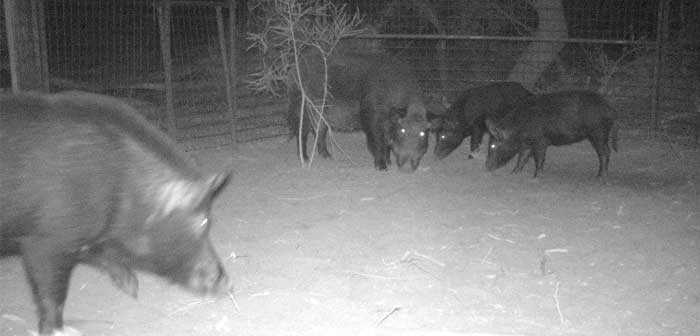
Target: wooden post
(26, 40)
(164, 25)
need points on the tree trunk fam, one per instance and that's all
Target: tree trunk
(538, 55)
(427, 12)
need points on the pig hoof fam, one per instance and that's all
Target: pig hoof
(66, 331)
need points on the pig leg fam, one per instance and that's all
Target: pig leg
(122, 276)
(371, 147)
(475, 139)
(322, 144)
(539, 153)
(387, 157)
(377, 146)
(48, 267)
(523, 157)
(381, 158)
(599, 140)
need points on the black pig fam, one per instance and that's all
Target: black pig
(85, 179)
(466, 116)
(557, 119)
(393, 116)
(367, 91)
(347, 73)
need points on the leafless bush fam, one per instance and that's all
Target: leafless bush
(290, 27)
(606, 67)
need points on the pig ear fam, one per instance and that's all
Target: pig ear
(435, 120)
(493, 129)
(396, 116)
(122, 277)
(431, 116)
(216, 184)
(210, 188)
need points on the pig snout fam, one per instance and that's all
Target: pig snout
(208, 276)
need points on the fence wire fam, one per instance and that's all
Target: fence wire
(5, 80)
(643, 54)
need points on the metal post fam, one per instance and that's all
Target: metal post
(661, 27)
(233, 65)
(227, 71)
(697, 120)
(39, 30)
(25, 40)
(164, 24)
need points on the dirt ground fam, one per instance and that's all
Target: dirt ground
(342, 249)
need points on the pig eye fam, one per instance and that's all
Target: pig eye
(403, 130)
(422, 134)
(204, 222)
(493, 146)
(442, 136)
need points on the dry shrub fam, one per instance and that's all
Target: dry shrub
(289, 28)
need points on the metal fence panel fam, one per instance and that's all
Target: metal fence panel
(113, 47)
(612, 46)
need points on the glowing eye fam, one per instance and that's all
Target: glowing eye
(493, 146)
(204, 222)
(422, 134)
(403, 130)
(442, 136)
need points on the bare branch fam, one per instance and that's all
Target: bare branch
(290, 27)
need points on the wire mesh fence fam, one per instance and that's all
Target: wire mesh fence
(116, 48)
(644, 55)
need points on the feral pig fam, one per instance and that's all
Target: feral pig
(376, 93)
(346, 74)
(393, 116)
(467, 115)
(85, 179)
(557, 119)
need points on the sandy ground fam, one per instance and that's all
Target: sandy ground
(341, 249)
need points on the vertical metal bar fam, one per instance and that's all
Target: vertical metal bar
(39, 27)
(23, 46)
(233, 63)
(233, 66)
(117, 34)
(61, 50)
(10, 9)
(164, 24)
(697, 121)
(658, 66)
(227, 72)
